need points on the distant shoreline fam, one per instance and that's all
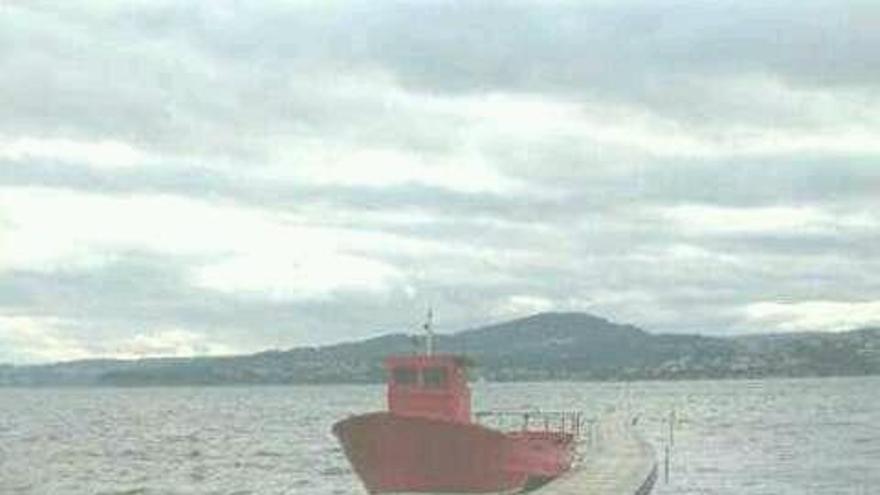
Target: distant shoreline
(377, 383)
(557, 347)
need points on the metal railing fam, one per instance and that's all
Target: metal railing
(570, 422)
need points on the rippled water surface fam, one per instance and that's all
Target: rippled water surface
(776, 437)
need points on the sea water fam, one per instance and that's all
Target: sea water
(779, 437)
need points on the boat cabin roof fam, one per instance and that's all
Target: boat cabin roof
(424, 360)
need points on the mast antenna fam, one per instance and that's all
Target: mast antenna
(429, 331)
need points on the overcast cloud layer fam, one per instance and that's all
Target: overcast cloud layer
(182, 178)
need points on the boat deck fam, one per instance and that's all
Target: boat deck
(619, 462)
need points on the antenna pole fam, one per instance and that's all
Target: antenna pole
(429, 330)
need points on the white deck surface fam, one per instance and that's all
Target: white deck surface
(619, 462)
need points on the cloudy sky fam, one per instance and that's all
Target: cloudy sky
(184, 178)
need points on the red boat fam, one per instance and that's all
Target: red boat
(428, 442)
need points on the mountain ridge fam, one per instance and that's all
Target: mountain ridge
(544, 346)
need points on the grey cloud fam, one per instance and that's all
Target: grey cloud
(209, 183)
(211, 92)
(572, 186)
(140, 293)
(615, 268)
(143, 292)
(565, 44)
(755, 181)
(202, 78)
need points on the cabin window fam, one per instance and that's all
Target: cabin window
(434, 377)
(405, 376)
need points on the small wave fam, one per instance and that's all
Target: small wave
(334, 471)
(130, 491)
(267, 453)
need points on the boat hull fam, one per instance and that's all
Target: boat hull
(399, 454)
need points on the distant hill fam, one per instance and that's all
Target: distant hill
(547, 346)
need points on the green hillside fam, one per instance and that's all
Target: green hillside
(547, 346)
